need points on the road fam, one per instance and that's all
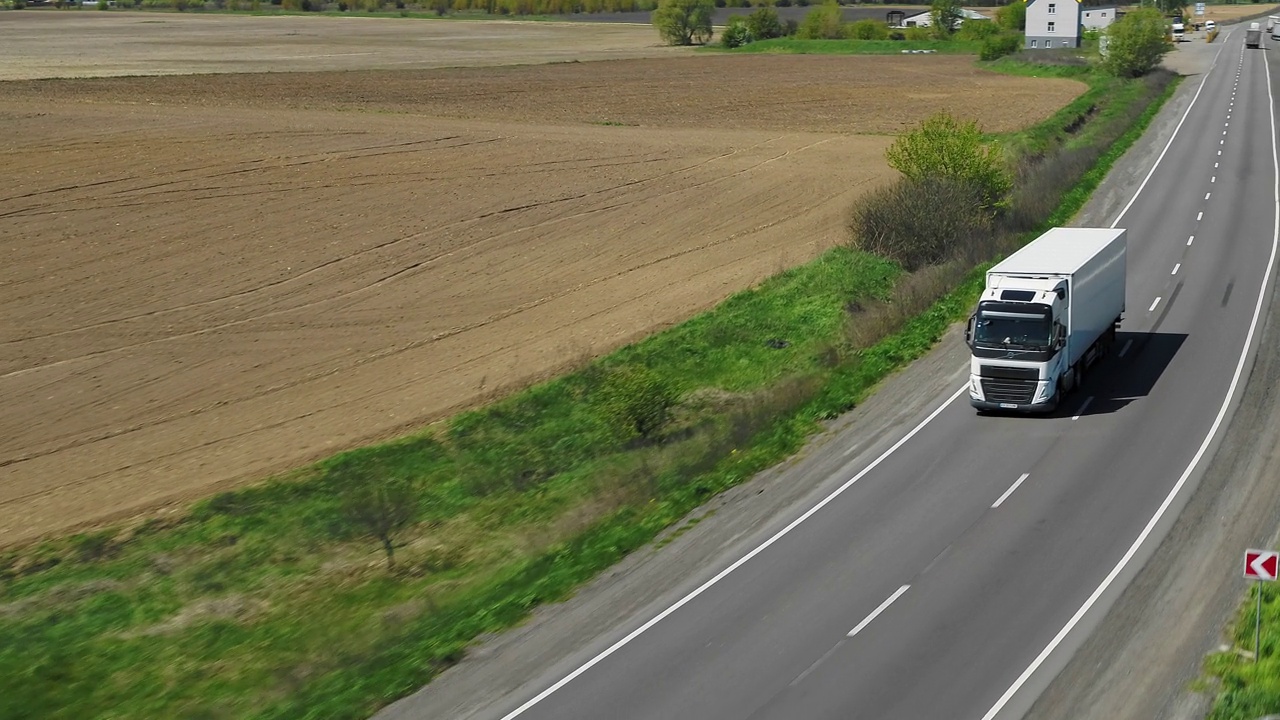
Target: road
(953, 574)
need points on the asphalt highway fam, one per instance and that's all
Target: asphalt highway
(952, 576)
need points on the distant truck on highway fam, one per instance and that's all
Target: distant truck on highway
(1048, 313)
(1253, 36)
(1178, 30)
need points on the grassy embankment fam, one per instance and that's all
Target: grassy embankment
(267, 602)
(1248, 690)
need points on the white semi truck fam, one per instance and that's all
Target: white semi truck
(1253, 36)
(1049, 311)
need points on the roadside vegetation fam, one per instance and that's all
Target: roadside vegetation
(1248, 690)
(340, 587)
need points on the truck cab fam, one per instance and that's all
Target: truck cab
(1017, 335)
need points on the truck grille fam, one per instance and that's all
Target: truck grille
(1005, 390)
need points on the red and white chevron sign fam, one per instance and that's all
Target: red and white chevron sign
(1261, 564)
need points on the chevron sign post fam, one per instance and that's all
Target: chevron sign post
(1260, 565)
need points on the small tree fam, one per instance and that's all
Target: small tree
(684, 22)
(381, 505)
(736, 33)
(764, 24)
(946, 148)
(822, 23)
(636, 401)
(1012, 17)
(945, 15)
(869, 30)
(1136, 43)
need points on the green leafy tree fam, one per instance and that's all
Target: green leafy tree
(764, 24)
(684, 22)
(944, 148)
(869, 30)
(736, 33)
(1136, 43)
(1012, 17)
(379, 504)
(945, 15)
(822, 23)
(636, 401)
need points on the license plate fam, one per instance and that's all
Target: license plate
(1011, 406)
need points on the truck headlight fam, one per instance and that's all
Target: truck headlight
(975, 388)
(1044, 390)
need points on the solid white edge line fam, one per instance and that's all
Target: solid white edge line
(744, 559)
(1169, 144)
(737, 564)
(876, 613)
(1014, 486)
(1204, 446)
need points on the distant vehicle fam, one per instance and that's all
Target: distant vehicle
(1179, 31)
(1272, 22)
(1210, 26)
(1253, 36)
(1050, 311)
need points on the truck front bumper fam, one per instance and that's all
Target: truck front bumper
(1023, 408)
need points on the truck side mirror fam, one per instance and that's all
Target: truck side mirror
(968, 330)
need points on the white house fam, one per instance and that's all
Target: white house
(1053, 24)
(925, 19)
(1098, 18)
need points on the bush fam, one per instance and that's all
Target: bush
(736, 33)
(636, 402)
(1012, 17)
(869, 30)
(764, 24)
(946, 148)
(978, 30)
(1136, 43)
(998, 46)
(822, 23)
(945, 15)
(920, 223)
(684, 22)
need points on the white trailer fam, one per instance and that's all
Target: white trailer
(1253, 36)
(1048, 313)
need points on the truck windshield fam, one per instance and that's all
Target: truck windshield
(1008, 325)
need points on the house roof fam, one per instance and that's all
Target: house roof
(964, 13)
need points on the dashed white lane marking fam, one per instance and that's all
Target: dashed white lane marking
(1127, 344)
(1085, 405)
(875, 613)
(1191, 240)
(1153, 305)
(1214, 179)
(1009, 492)
(1206, 195)
(1199, 216)
(1176, 268)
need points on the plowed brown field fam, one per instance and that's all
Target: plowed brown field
(209, 279)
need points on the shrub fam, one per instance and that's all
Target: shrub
(684, 22)
(945, 15)
(946, 148)
(379, 505)
(920, 223)
(764, 24)
(916, 34)
(1012, 17)
(998, 46)
(978, 30)
(869, 30)
(1136, 43)
(636, 402)
(822, 23)
(736, 33)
